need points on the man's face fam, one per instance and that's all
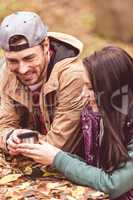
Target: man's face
(28, 64)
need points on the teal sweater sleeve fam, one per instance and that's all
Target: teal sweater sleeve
(115, 184)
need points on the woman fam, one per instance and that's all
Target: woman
(107, 129)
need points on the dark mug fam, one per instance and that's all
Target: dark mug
(30, 137)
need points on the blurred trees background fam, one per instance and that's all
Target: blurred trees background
(114, 18)
(95, 22)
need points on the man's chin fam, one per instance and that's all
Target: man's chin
(28, 82)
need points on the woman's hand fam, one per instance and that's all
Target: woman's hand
(43, 153)
(14, 140)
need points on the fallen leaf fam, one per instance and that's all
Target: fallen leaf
(70, 197)
(5, 171)
(46, 173)
(9, 178)
(23, 185)
(97, 195)
(78, 191)
(56, 185)
(28, 170)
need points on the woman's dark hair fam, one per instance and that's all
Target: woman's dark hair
(111, 74)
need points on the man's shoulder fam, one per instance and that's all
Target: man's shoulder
(76, 65)
(75, 68)
(73, 71)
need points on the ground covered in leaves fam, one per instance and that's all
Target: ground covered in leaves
(22, 179)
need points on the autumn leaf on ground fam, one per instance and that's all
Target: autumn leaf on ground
(97, 195)
(78, 191)
(28, 170)
(3, 162)
(57, 185)
(4, 171)
(23, 186)
(14, 195)
(46, 173)
(70, 197)
(9, 178)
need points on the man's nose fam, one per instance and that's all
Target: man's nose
(23, 68)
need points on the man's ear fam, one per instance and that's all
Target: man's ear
(46, 45)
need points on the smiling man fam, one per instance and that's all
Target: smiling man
(28, 64)
(41, 82)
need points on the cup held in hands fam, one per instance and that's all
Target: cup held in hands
(30, 137)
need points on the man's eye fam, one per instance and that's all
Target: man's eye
(12, 62)
(29, 58)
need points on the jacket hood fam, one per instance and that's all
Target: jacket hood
(68, 40)
(67, 49)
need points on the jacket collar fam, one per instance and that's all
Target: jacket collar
(18, 92)
(68, 39)
(14, 88)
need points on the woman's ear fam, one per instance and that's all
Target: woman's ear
(46, 45)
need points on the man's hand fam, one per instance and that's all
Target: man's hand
(43, 153)
(14, 140)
